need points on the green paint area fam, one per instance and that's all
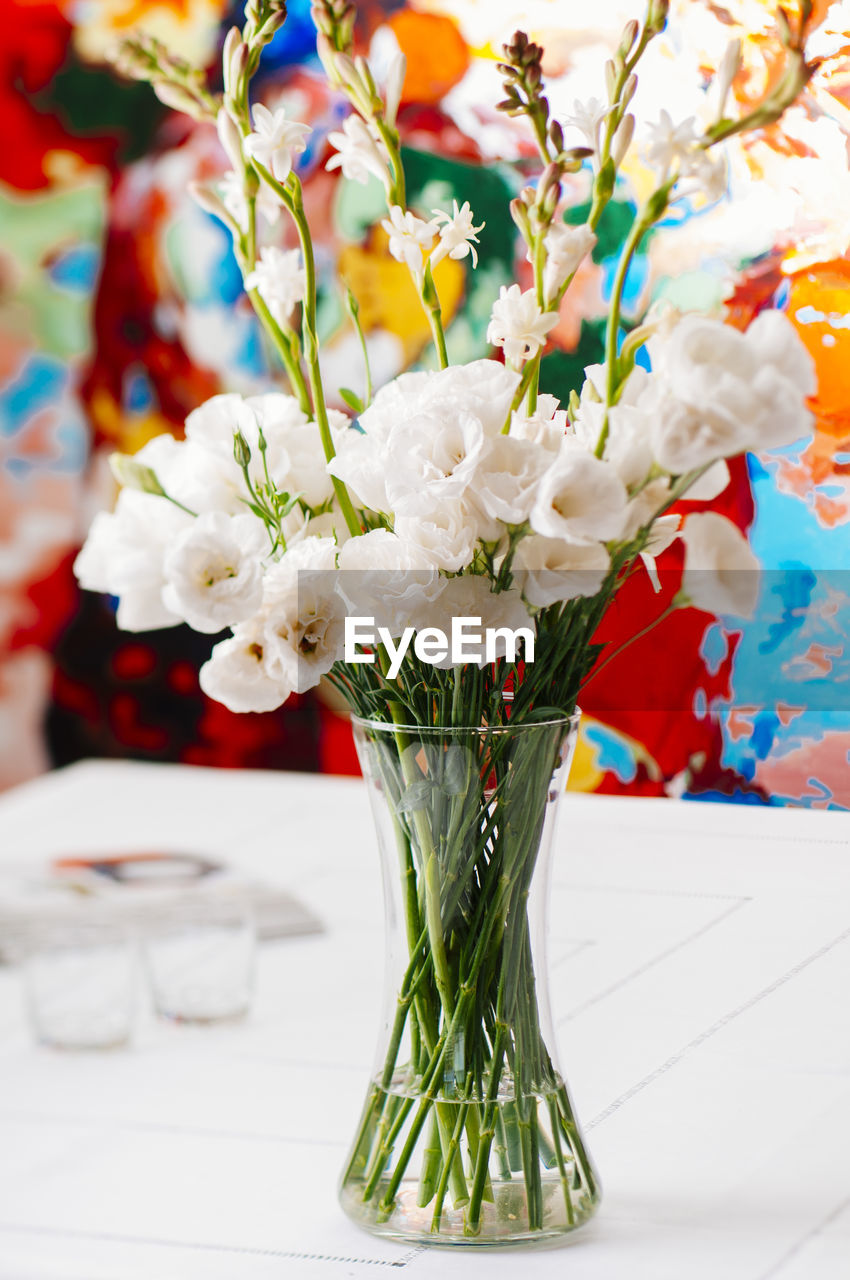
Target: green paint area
(614, 225)
(487, 191)
(563, 371)
(92, 102)
(37, 231)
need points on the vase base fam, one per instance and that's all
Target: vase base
(503, 1221)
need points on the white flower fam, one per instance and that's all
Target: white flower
(627, 446)
(457, 234)
(386, 577)
(663, 534)
(546, 427)
(773, 340)
(358, 154)
(444, 531)
(394, 85)
(670, 143)
(373, 461)
(470, 596)
(506, 478)
(124, 553)
(433, 457)
(231, 189)
(588, 117)
(275, 141)
(710, 484)
(549, 569)
(304, 615)
(236, 673)
(280, 279)
(708, 174)
(518, 325)
(194, 476)
(214, 571)
(409, 236)
(716, 391)
(721, 573)
(580, 497)
(566, 249)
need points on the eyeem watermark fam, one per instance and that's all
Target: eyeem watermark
(467, 643)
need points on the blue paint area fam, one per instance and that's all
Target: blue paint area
(714, 648)
(225, 279)
(40, 382)
(793, 590)
(737, 797)
(76, 269)
(295, 41)
(613, 753)
(138, 393)
(636, 279)
(794, 651)
(250, 356)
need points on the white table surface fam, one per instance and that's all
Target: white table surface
(700, 969)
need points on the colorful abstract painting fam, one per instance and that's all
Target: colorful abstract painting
(121, 309)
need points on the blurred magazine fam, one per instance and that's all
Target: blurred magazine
(135, 888)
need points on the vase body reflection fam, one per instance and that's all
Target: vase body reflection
(468, 1134)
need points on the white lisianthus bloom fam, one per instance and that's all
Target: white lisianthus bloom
(409, 238)
(663, 534)
(546, 427)
(710, 484)
(721, 573)
(458, 235)
(469, 596)
(548, 570)
(566, 249)
(198, 478)
(445, 531)
(627, 446)
(580, 497)
(433, 457)
(236, 673)
(124, 554)
(773, 340)
(358, 153)
(304, 615)
(213, 571)
(518, 325)
(295, 455)
(436, 403)
(275, 140)
(506, 478)
(716, 392)
(386, 577)
(280, 280)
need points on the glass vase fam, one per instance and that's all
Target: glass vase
(468, 1134)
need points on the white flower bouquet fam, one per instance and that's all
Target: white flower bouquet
(453, 492)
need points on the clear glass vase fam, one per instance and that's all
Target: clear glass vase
(468, 1134)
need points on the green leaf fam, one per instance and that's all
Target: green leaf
(416, 796)
(351, 399)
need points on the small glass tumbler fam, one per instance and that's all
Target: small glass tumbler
(80, 983)
(200, 960)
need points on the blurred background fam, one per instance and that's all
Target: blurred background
(121, 310)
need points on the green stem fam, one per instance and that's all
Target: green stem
(290, 196)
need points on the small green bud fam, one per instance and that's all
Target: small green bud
(241, 449)
(135, 475)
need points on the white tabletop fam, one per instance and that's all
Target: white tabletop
(700, 968)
